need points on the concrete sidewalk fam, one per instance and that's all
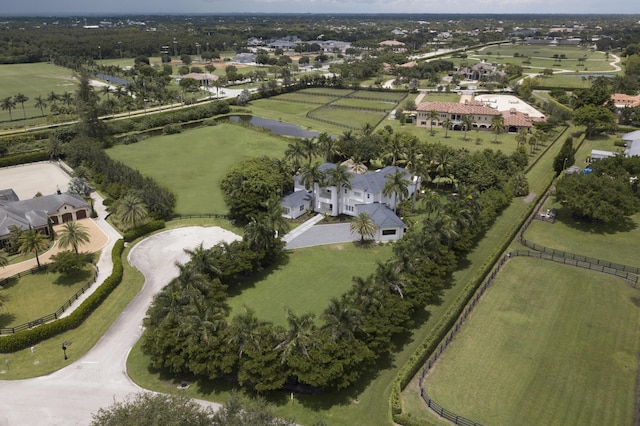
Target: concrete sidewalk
(302, 228)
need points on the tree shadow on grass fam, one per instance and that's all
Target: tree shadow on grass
(600, 228)
(74, 277)
(243, 284)
(6, 319)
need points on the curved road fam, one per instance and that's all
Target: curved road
(71, 395)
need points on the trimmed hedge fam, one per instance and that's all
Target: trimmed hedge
(145, 229)
(27, 338)
(31, 157)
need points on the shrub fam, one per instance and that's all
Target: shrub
(31, 157)
(145, 229)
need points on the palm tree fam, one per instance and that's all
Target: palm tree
(310, 175)
(327, 146)
(363, 225)
(244, 330)
(40, 103)
(300, 335)
(72, 235)
(295, 153)
(191, 281)
(497, 125)
(273, 217)
(341, 320)
(394, 147)
(365, 293)
(432, 116)
(32, 241)
(432, 202)
(340, 176)
(398, 186)
(203, 260)
(131, 211)
(8, 104)
(203, 320)
(388, 275)
(258, 235)
(21, 98)
(310, 148)
(521, 136)
(447, 123)
(467, 122)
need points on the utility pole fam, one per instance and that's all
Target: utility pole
(175, 47)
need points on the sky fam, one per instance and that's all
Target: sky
(152, 7)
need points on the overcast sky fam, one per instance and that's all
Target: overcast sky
(123, 7)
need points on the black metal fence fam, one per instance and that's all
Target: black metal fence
(437, 408)
(50, 317)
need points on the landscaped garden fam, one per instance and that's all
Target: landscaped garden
(544, 336)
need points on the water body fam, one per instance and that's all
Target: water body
(277, 127)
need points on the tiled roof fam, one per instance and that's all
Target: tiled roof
(471, 108)
(516, 118)
(622, 100)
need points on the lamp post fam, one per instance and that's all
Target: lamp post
(198, 49)
(564, 163)
(175, 47)
(64, 351)
(120, 48)
(100, 54)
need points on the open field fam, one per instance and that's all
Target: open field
(548, 344)
(32, 80)
(327, 91)
(366, 104)
(355, 119)
(36, 295)
(298, 286)
(375, 95)
(192, 163)
(302, 97)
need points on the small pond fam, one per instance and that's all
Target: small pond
(277, 127)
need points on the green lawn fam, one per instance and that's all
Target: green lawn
(549, 344)
(297, 284)
(192, 163)
(368, 104)
(349, 117)
(388, 96)
(35, 295)
(32, 80)
(302, 97)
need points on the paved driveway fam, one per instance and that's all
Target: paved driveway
(323, 234)
(69, 396)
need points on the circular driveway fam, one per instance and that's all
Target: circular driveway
(71, 395)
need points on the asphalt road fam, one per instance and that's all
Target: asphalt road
(71, 395)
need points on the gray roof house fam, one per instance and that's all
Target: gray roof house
(37, 212)
(296, 204)
(365, 194)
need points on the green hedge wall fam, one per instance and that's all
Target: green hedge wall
(31, 157)
(28, 338)
(145, 229)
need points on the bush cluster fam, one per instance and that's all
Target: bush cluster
(143, 230)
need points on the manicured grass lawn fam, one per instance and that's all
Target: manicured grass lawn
(441, 97)
(298, 285)
(35, 295)
(193, 163)
(32, 80)
(548, 344)
(327, 91)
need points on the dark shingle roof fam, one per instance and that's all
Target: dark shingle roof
(382, 215)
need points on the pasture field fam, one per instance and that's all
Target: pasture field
(33, 296)
(330, 91)
(192, 164)
(548, 344)
(298, 286)
(32, 80)
(292, 112)
(356, 119)
(441, 97)
(362, 103)
(306, 98)
(387, 96)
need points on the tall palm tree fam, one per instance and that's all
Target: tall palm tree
(191, 281)
(300, 337)
(497, 125)
(340, 176)
(447, 123)
(258, 235)
(388, 275)
(273, 217)
(40, 103)
(32, 241)
(310, 148)
(72, 235)
(394, 148)
(397, 186)
(310, 175)
(203, 320)
(341, 320)
(295, 153)
(363, 225)
(432, 202)
(203, 260)
(8, 104)
(432, 116)
(131, 211)
(21, 98)
(467, 122)
(327, 146)
(244, 330)
(521, 136)
(365, 293)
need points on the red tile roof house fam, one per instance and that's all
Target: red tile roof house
(481, 115)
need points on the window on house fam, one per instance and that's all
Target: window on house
(357, 194)
(368, 196)
(388, 232)
(345, 190)
(302, 208)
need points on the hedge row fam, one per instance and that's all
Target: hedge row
(145, 229)
(442, 327)
(31, 157)
(27, 338)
